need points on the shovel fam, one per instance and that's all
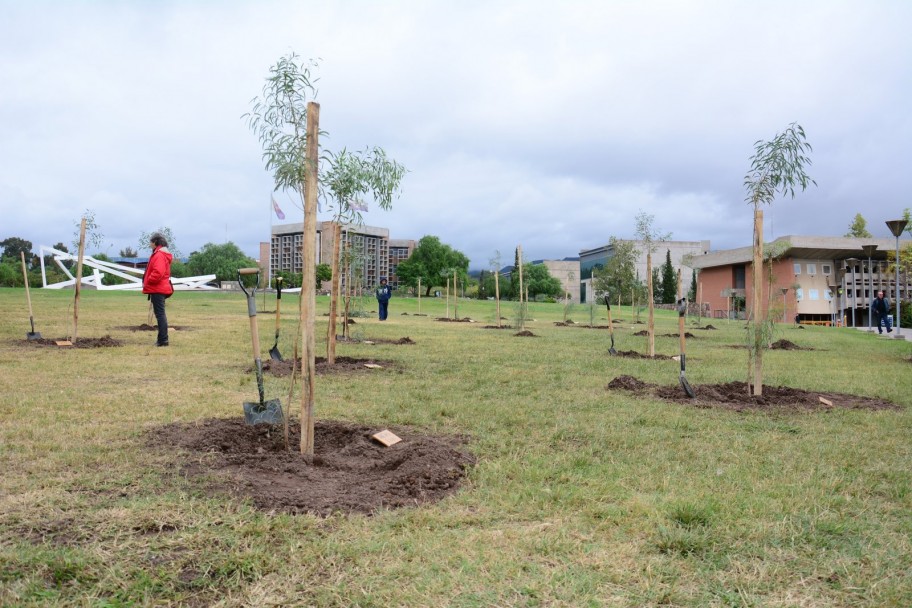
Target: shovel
(610, 326)
(274, 351)
(263, 412)
(682, 310)
(29, 335)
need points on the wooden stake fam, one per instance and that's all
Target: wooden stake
(522, 312)
(447, 294)
(455, 298)
(334, 296)
(82, 235)
(758, 316)
(650, 327)
(419, 295)
(309, 281)
(497, 295)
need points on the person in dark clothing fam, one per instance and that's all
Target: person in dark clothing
(383, 296)
(157, 283)
(881, 309)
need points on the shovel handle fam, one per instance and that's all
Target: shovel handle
(255, 337)
(28, 296)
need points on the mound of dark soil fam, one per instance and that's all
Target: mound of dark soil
(644, 332)
(463, 320)
(103, 342)
(147, 327)
(707, 327)
(735, 396)
(348, 473)
(632, 354)
(525, 334)
(786, 345)
(496, 327)
(343, 365)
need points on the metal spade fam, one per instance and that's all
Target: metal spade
(262, 412)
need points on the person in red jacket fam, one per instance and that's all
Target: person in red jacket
(157, 283)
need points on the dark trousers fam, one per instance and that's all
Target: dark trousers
(383, 308)
(158, 307)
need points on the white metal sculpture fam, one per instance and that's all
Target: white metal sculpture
(100, 268)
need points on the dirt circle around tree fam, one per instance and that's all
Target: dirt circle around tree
(349, 471)
(735, 396)
(65, 343)
(342, 366)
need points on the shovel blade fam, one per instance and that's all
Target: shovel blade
(275, 354)
(268, 412)
(686, 386)
(32, 335)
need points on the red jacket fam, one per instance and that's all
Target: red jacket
(157, 278)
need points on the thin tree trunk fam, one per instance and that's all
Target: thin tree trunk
(757, 314)
(497, 296)
(82, 238)
(419, 295)
(309, 281)
(650, 326)
(333, 296)
(455, 298)
(522, 310)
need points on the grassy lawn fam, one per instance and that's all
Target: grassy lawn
(581, 496)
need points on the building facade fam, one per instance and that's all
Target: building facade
(826, 280)
(567, 271)
(369, 250)
(592, 259)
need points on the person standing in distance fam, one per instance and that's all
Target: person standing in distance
(157, 283)
(383, 296)
(881, 308)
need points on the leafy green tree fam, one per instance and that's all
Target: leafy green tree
(324, 273)
(657, 287)
(433, 262)
(859, 228)
(221, 260)
(669, 281)
(777, 168)
(692, 293)
(538, 280)
(618, 275)
(129, 252)
(12, 246)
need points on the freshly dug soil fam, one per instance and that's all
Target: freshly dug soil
(348, 473)
(707, 327)
(103, 342)
(687, 334)
(525, 334)
(147, 327)
(734, 396)
(632, 354)
(496, 327)
(786, 345)
(581, 326)
(463, 320)
(405, 340)
(344, 365)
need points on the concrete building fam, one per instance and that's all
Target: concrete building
(824, 280)
(374, 255)
(592, 259)
(567, 271)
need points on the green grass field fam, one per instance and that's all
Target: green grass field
(580, 497)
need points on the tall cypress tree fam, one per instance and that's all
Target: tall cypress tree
(669, 280)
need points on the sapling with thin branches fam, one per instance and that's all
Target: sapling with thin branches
(650, 238)
(777, 169)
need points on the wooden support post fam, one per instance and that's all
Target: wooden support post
(650, 327)
(78, 286)
(455, 298)
(419, 295)
(335, 294)
(497, 295)
(309, 281)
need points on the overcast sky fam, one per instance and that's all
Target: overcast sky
(543, 124)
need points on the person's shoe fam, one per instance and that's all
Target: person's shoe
(890, 331)
(161, 344)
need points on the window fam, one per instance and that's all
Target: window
(797, 268)
(799, 293)
(827, 269)
(813, 294)
(812, 269)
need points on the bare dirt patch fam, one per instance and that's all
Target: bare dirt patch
(343, 365)
(147, 327)
(348, 473)
(632, 354)
(103, 342)
(581, 326)
(644, 332)
(497, 327)
(710, 327)
(463, 320)
(525, 334)
(735, 396)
